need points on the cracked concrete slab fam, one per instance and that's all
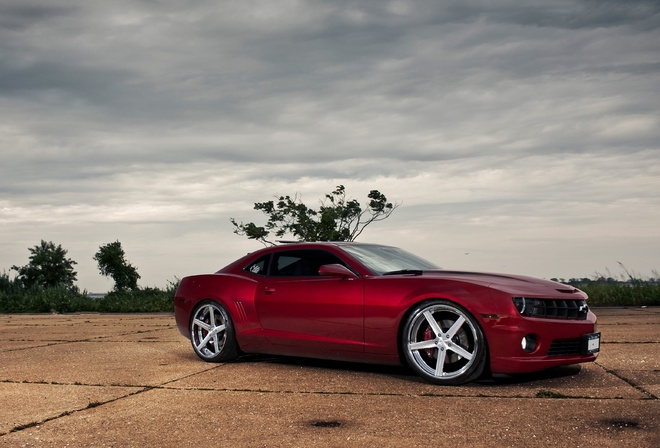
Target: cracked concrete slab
(238, 419)
(77, 327)
(156, 335)
(624, 356)
(107, 363)
(25, 403)
(133, 380)
(310, 376)
(624, 334)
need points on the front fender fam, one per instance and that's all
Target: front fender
(388, 302)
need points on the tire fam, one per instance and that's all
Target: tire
(443, 343)
(212, 332)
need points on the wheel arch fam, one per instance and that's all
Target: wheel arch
(231, 308)
(205, 299)
(414, 305)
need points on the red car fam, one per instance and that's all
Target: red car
(380, 304)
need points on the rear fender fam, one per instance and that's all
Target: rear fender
(235, 293)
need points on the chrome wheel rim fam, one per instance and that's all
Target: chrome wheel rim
(208, 330)
(442, 341)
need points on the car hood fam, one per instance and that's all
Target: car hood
(514, 284)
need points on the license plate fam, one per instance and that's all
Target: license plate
(591, 343)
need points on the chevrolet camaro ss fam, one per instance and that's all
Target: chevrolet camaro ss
(380, 304)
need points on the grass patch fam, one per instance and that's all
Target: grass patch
(627, 288)
(65, 299)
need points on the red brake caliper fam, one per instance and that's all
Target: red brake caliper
(428, 335)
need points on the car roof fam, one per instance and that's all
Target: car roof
(283, 246)
(323, 243)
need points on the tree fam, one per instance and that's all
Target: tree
(112, 263)
(337, 219)
(48, 267)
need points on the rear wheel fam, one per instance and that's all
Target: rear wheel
(212, 332)
(443, 343)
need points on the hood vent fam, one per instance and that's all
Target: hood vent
(567, 290)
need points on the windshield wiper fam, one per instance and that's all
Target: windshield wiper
(405, 271)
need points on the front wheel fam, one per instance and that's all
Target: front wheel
(212, 333)
(443, 343)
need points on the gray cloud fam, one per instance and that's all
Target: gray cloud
(145, 120)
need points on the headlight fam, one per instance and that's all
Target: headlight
(528, 307)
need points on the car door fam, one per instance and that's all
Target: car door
(307, 312)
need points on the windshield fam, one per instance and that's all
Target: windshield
(383, 259)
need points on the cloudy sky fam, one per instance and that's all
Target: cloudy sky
(519, 137)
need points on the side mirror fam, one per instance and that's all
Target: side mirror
(336, 270)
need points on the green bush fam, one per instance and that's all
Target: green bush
(9, 285)
(621, 294)
(65, 299)
(624, 289)
(37, 299)
(141, 300)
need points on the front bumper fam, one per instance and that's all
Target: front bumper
(558, 342)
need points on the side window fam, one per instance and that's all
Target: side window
(301, 263)
(290, 265)
(259, 267)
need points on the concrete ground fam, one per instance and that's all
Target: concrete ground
(124, 380)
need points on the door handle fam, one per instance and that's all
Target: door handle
(269, 290)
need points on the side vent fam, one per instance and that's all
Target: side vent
(240, 310)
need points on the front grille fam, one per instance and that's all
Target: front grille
(565, 347)
(552, 308)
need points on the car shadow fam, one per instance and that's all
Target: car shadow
(522, 378)
(396, 370)
(408, 374)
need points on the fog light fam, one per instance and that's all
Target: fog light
(528, 343)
